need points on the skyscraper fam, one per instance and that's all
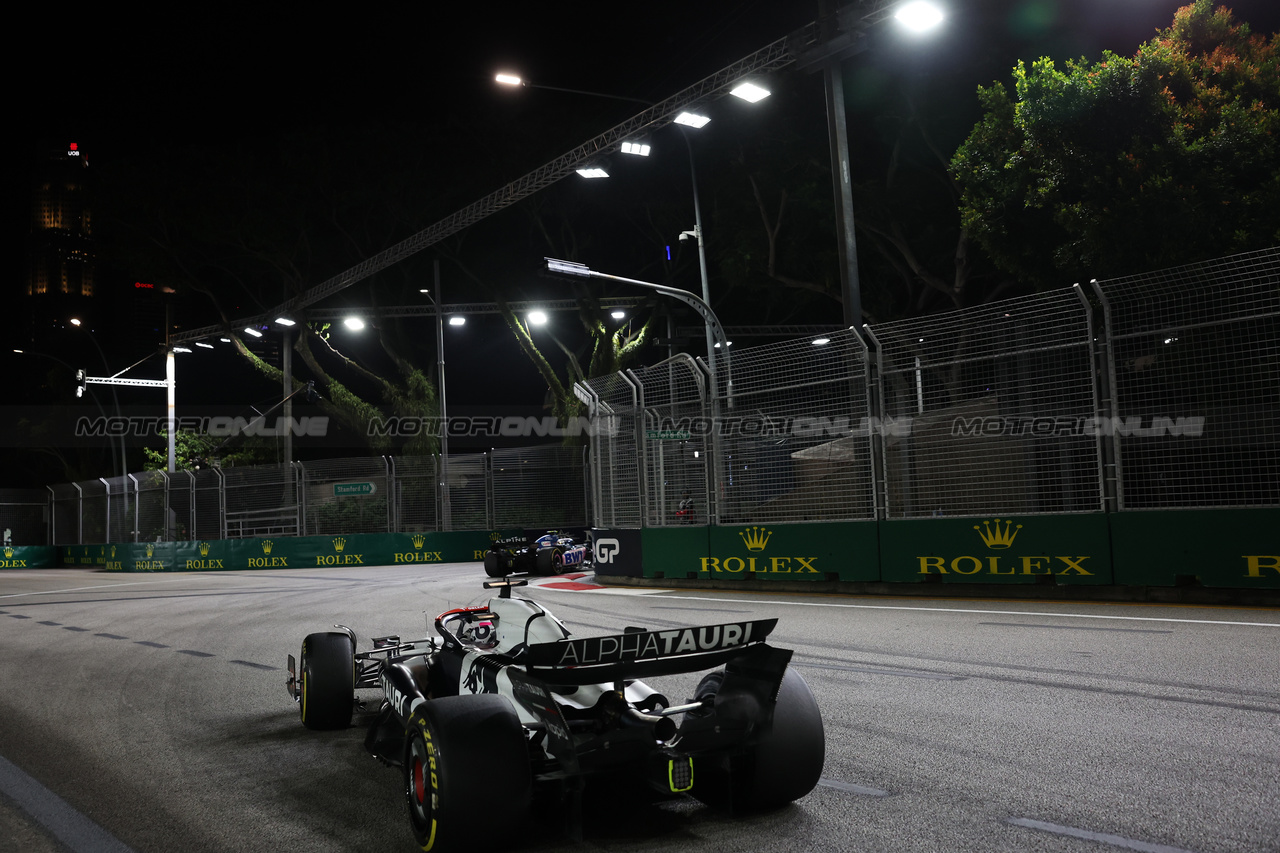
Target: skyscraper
(60, 256)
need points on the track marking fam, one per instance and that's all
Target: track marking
(864, 670)
(250, 663)
(59, 819)
(1102, 837)
(850, 788)
(1164, 619)
(152, 579)
(1078, 627)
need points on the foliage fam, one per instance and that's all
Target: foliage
(1130, 163)
(198, 450)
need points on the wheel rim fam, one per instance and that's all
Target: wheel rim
(420, 793)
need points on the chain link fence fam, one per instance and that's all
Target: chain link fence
(542, 487)
(1193, 361)
(991, 406)
(537, 486)
(1152, 391)
(614, 404)
(1143, 392)
(28, 512)
(675, 442)
(796, 432)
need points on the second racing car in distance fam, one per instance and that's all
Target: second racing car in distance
(503, 701)
(553, 553)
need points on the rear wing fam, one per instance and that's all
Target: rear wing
(643, 654)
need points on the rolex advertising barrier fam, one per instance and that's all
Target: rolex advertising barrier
(283, 552)
(28, 557)
(1237, 549)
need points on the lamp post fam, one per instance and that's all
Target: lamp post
(115, 399)
(446, 505)
(917, 15)
(575, 270)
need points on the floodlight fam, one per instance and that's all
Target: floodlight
(919, 15)
(749, 92)
(694, 120)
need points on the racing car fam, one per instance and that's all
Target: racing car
(503, 701)
(553, 553)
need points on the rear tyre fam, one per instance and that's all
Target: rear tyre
(465, 756)
(550, 561)
(783, 766)
(328, 693)
(496, 564)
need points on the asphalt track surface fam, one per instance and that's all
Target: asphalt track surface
(148, 713)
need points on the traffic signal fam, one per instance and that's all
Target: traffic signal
(82, 381)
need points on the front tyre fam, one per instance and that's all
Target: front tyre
(328, 692)
(464, 757)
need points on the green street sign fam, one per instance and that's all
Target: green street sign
(667, 434)
(347, 489)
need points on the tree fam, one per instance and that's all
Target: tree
(1130, 163)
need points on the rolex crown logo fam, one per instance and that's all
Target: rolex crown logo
(204, 549)
(418, 540)
(998, 538)
(339, 543)
(8, 552)
(266, 546)
(755, 538)
(151, 550)
(113, 552)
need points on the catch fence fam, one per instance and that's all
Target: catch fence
(510, 487)
(1145, 392)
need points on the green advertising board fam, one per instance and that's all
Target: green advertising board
(27, 556)
(288, 552)
(1067, 549)
(1209, 547)
(820, 551)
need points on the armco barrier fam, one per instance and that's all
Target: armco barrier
(1212, 548)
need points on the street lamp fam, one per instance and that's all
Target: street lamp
(115, 399)
(917, 15)
(571, 269)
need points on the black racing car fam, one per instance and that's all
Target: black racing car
(553, 553)
(504, 700)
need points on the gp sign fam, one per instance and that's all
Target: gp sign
(348, 489)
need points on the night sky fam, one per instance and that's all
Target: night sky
(119, 82)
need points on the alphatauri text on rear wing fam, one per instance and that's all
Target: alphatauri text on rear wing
(641, 654)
